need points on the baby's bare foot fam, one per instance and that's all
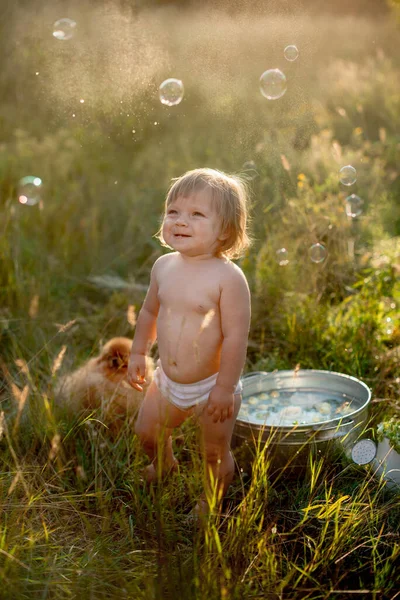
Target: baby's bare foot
(150, 473)
(197, 518)
(202, 509)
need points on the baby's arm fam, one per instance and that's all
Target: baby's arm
(145, 333)
(235, 324)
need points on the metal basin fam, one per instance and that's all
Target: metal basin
(290, 440)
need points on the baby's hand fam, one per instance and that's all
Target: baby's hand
(136, 374)
(220, 404)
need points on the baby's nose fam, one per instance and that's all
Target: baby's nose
(181, 220)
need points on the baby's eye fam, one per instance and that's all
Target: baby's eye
(198, 214)
(171, 212)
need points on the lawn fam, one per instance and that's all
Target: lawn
(83, 115)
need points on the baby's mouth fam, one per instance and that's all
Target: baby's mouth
(181, 235)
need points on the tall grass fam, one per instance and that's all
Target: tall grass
(77, 520)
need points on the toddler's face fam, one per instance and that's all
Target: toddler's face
(192, 226)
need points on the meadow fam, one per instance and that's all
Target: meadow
(76, 520)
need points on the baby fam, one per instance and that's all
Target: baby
(198, 308)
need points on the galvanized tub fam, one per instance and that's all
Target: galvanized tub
(289, 444)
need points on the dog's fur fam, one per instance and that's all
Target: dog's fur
(100, 383)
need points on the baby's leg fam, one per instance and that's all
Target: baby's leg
(156, 419)
(216, 441)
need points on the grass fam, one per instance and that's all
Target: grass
(79, 522)
(76, 520)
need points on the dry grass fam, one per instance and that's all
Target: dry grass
(76, 520)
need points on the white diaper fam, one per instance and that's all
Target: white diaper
(186, 395)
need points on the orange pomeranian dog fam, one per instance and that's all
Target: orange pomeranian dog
(100, 383)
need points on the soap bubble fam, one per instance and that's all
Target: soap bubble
(64, 29)
(389, 326)
(348, 175)
(291, 52)
(317, 253)
(273, 84)
(29, 190)
(171, 92)
(354, 206)
(250, 169)
(249, 164)
(282, 257)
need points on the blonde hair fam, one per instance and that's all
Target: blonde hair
(229, 197)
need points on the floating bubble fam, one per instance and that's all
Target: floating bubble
(291, 52)
(250, 168)
(29, 190)
(249, 164)
(64, 29)
(348, 175)
(171, 92)
(317, 253)
(354, 206)
(389, 326)
(273, 84)
(282, 257)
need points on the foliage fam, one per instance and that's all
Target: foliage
(391, 430)
(77, 520)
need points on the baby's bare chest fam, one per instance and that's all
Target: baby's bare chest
(198, 293)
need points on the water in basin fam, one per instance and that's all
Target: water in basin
(288, 407)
